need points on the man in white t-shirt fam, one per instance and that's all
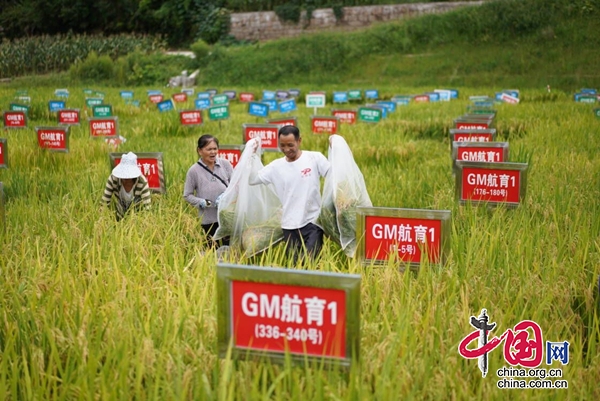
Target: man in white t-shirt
(296, 178)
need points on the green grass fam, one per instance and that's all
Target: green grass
(95, 309)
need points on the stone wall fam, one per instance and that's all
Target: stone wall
(266, 25)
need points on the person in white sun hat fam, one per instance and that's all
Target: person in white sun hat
(128, 185)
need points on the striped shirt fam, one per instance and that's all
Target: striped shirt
(141, 195)
(200, 184)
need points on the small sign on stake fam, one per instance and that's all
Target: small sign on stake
(347, 116)
(231, 153)
(218, 112)
(369, 114)
(202, 104)
(68, 117)
(411, 236)
(246, 97)
(165, 105)
(180, 97)
(151, 164)
(324, 124)
(472, 135)
(315, 100)
(268, 134)
(104, 127)
(287, 106)
(323, 324)
(102, 110)
(55, 139)
(491, 184)
(190, 117)
(258, 109)
(19, 107)
(93, 101)
(488, 152)
(56, 105)
(15, 119)
(220, 99)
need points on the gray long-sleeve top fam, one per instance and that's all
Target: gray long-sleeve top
(200, 184)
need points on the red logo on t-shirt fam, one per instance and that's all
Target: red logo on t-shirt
(305, 172)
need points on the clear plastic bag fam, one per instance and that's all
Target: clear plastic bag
(249, 214)
(343, 191)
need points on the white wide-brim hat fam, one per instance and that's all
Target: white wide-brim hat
(128, 167)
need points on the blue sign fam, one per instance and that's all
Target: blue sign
(287, 105)
(203, 95)
(151, 92)
(62, 93)
(445, 95)
(389, 105)
(268, 95)
(126, 94)
(294, 92)
(230, 94)
(482, 104)
(340, 97)
(132, 102)
(165, 105)
(271, 102)
(281, 95)
(371, 94)
(384, 110)
(401, 100)
(499, 96)
(202, 104)
(56, 105)
(433, 96)
(188, 91)
(513, 93)
(588, 91)
(453, 93)
(258, 109)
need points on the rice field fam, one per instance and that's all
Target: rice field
(91, 308)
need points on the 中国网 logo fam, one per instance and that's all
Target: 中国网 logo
(523, 350)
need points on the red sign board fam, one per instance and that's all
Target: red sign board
(282, 122)
(297, 319)
(53, 138)
(473, 137)
(180, 97)
(68, 117)
(156, 98)
(490, 185)
(421, 98)
(15, 119)
(103, 127)
(150, 169)
(405, 237)
(486, 154)
(3, 163)
(190, 117)
(266, 132)
(322, 125)
(472, 124)
(246, 97)
(345, 116)
(231, 155)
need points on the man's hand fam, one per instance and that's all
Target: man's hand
(203, 204)
(218, 200)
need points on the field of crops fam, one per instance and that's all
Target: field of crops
(91, 308)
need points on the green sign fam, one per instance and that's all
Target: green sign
(220, 99)
(354, 95)
(218, 112)
(597, 112)
(98, 94)
(102, 110)
(369, 115)
(87, 92)
(315, 100)
(19, 107)
(93, 101)
(587, 99)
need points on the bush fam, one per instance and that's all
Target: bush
(288, 12)
(93, 68)
(149, 69)
(201, 49)
(213, 24)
